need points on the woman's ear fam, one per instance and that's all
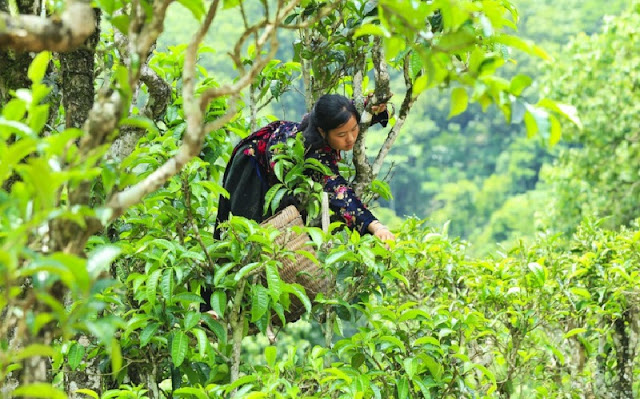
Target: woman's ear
(322, 133)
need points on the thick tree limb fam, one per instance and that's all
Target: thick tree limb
(59, 34)
(365, 172)
(407, 103)
(360, 161)
(159, 97)
(77, 79)
(159, 93)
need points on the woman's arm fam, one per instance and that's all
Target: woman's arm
(344, 201)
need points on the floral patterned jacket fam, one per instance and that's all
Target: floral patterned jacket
(342, 198)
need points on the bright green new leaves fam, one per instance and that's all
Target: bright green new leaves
(459, 101)
(38, 67)
(39, 390)
(75, 356)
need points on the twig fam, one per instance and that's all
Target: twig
(237, 330)
(194, 226)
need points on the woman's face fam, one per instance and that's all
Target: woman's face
(343, 137)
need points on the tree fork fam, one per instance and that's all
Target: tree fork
(60, 33)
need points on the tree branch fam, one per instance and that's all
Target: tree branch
(194, 134)
(59, 34)
(407, 103)
(187, 200)
(269, 34)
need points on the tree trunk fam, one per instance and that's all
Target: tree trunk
(77, 69)
(622, 383)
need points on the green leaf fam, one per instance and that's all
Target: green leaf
(101, 258)
(393, 342)
(382, 189)
(519, 83)
(121, 22)
(426, 341)
(298, 291)
(575, 331)
(222, 272)
(420, 85)
(259, 302)
(167, 285)
(38, 67)
(581, 292)
(152, 286)
(203, 341)
(411, 366)
(179, 346)
(403, 388)
(188, 297)
(140, 122)
(434, 367)
(423, 388)
(186, 392)
(35, 350)
(270, 353)
(566, 110)
(219, 303)
(246, 270)
(370, 29)
(539, 272)
(336, 256)
(459, 101)
(88, 392)
(247, 379)
(19, 128)
(195, 6)
(357, 360)
(116, 356)
(523, 45)
(148, 333)
(536, 120)
(277, 198)
(216, 327)
(268, 197)
(135, 323)
(75, 356)
(191, 319)
(39, 390)
(14, 110)
(38, 116)
(278, 170)
(108, 6)
(273, 281)
(487, 373)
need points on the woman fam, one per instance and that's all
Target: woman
(332, 126)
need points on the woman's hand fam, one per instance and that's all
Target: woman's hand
(384, 234)
(381, 231)
(376, 109)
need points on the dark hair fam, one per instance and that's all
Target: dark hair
(329, 112)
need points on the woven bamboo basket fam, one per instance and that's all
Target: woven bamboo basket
(300, 270)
